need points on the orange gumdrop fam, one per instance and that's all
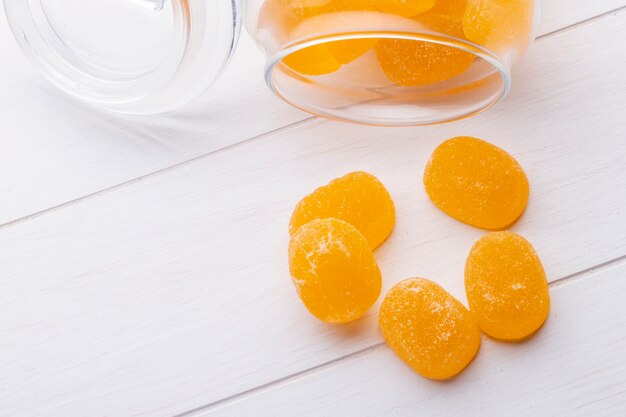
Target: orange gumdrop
(506, 286)
(476, 183)
(428, 328)
(358, 198)
(499, 25)
(314, 60)
(334, 270)
(412, 63)
(282, 18)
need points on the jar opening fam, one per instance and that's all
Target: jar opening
(388, 78)
(130, 56)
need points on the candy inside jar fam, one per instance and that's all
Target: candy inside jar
(380, 62)
(392, 62)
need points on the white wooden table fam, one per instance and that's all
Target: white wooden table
(143, 261)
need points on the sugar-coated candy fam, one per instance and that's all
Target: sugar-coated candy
(476, 183)
(428, 328)
(506, 286)
(499, 25)
(413, 63)
(334, 270)
(282, 18)
(358, 198)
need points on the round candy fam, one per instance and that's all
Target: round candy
(412, 63)
(358, 198)
(428, 328)
(334, 270)
(506, 286)
(476, 183)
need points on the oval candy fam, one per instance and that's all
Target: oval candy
(476, 183)
(334, 270)
(358, 198)
(506, 286)
(428, 328)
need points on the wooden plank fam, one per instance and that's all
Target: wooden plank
(54, 150)
(557, 14)
(173, 292)
(573, 367)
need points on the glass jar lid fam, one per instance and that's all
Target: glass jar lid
(131, 56)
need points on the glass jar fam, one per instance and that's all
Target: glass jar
(130, 56)
(392, 62)
(380, 62)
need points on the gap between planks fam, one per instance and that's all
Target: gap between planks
(205, 410)
(273, 132)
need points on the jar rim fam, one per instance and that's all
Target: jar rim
(499, 67)
(178, 52)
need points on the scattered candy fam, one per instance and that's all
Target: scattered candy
(334, 270)
(476, 183)
(428, 328)
(506, 286)
(358, 198)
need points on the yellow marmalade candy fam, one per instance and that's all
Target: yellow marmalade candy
(358, 198)
(334, 270)
(506, 286)
(412, 63)
(499, 24)
(428, 328)
(476, 183)
(282, 17)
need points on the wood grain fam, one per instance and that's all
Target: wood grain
(172, 292)
(54, 150)
(573, 367)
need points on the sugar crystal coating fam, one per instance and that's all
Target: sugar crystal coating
(506, 286)
(413, 63)
(476, 183)
(358, 198)
(499, 24)
(334, 270)
(428, 328)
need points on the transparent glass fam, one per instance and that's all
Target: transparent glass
(392, 62)
(132, 56)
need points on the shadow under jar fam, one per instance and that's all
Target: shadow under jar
(379, 62)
